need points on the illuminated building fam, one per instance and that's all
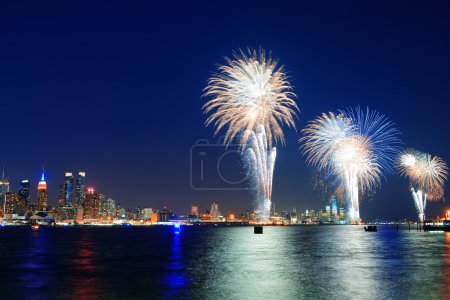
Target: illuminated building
(80, 191)
(194, 210)
(293, 216)
(154, 217)
(146, 213)
(80, 213)
(101, 202)
(131, 215)
(231, 217)
(136, 213)
(334, 208)
(307, 213)
(164, 215)
(122, 213)
(342, 213)
(4, 185)
(214, 213)
(91, 204)
(42, 198)
(205, 217)
(24, 195)
(66, 190)
(328, 210)
(111, 207)
(61, 198)
(11, 203)
(103, 210)
(67, 212)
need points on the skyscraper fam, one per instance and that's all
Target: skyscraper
(42, 198)
(107, 208)
(66, 190)
(61, 198)
(12, 203)
(4, 185)
(111, 207)
(24, 195)
(80, 192)
(334, 208)
(194, 210)
(214, 212)
(91, 204)
(146, 213)
(342, 213)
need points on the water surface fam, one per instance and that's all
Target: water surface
(292, 262)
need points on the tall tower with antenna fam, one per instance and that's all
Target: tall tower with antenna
(42, 198)
(4, 184)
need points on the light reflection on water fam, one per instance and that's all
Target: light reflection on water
(320, 262)
(86, 284)
(175, 280)
(446, 272)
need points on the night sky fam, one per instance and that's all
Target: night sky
(114, 89)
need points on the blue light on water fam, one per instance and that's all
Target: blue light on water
(177, 228)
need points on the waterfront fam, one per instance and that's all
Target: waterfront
(287, 262)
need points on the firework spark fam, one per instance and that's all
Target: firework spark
(249, 91)
(252, 99)
(355, 147)
(427, 175)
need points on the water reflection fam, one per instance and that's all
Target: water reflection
(242, 265)
(446, 273)
(336, 262)
(36, 269)
(85, 283)
(320, 262)
(175, 280)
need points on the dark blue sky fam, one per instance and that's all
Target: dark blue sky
(114, 89)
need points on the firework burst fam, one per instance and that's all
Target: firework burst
(252, 99)
(249, 91)
(355, 147)
(427, 175)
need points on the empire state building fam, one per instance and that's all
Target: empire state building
(42, 198)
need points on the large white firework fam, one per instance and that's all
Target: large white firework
(427, 175)
(252, 99)
(354, 146)
(250, 90)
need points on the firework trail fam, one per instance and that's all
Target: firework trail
(252, 99)
(355, 147)
(260, 162)
(427, 175)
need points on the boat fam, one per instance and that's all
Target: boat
(35, 227)
(371, 228)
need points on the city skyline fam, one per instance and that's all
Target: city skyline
(333, 206)
(89, 94)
